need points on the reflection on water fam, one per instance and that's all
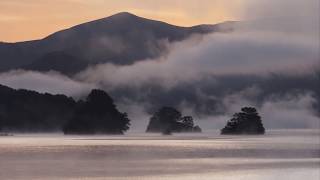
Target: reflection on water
(277, 155)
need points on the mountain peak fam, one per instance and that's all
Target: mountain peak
(123, 15)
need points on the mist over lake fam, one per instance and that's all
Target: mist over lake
(280, 154)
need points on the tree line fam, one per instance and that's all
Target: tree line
(29, 111)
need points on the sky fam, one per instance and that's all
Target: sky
(22, 20)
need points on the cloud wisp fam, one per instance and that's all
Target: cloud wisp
(51, 82)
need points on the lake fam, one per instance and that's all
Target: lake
(280, 154)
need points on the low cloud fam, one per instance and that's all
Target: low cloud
(137, 113)
(51, 82)
(215, 54)
(292, 111)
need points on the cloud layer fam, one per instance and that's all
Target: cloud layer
(216, 54)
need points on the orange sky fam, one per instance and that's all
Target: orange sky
(33, 19)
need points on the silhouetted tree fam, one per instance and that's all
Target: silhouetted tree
(188, 121)
(98, 114)
(163, 119)
(168, 120)
(245, 122)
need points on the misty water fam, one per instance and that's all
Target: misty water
(280, 154)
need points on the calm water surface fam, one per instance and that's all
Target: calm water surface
(281, 154)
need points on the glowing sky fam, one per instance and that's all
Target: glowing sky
(33, 19)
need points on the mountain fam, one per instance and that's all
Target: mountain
(119, 39)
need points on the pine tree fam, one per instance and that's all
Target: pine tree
(247, 121)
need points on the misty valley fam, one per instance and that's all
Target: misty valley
(159, 90)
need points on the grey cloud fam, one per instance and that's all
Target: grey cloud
(292, 111)
(51, 82)
(215, 54)
(292, 17)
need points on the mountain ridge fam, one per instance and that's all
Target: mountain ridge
(121, 39)
(115, 15)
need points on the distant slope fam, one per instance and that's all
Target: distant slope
(57, 61)
(120, 39)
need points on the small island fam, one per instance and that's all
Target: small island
(247, 121)
(167, 120)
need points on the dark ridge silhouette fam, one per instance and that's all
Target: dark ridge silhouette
(245, 122)
(167, 120)
(119, 39)
(58, 61)
(30, 111)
